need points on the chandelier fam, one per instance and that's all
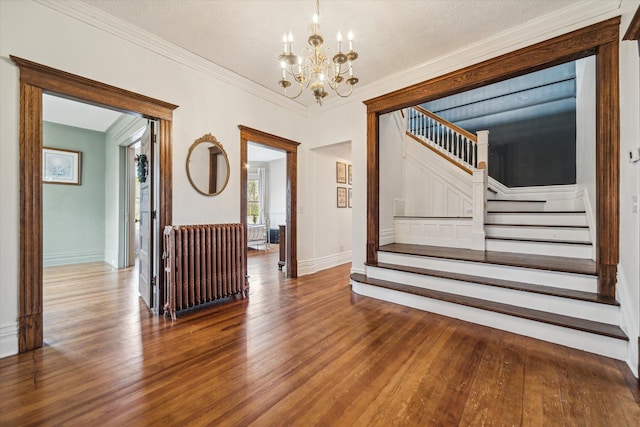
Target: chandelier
(316, 67)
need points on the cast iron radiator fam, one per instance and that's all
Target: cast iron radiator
(203, 263)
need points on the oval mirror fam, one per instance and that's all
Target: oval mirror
(208, 166)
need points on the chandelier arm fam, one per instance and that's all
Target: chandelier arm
(346, 95)
(301, 89)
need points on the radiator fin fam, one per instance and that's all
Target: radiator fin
(203, 263)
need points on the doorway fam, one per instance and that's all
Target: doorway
(291, 149)
(266, 206)
(36, 79)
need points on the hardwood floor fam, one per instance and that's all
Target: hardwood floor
(303, 351)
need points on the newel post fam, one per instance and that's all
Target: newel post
(480, 182)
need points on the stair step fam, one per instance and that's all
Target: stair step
(561, 218)
(514, 205)
(540, 247)
(544, 232)
(552, 299)
(597, 328)
(542, 262)
(569, 273)
(501, 283)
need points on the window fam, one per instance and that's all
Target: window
(253, 201)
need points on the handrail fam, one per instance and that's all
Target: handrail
(439, 153)
(448, 124)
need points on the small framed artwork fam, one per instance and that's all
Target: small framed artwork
(61, 166)
(342, 197)
(341, 173)
(350, 196)
(349, 174)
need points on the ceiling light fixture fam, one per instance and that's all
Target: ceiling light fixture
(313, 68)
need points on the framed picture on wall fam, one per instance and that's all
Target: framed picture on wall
(341, 173)
(349, 174)
(342, 197)
(61, 166)
(349, 197)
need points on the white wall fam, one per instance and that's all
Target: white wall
(125, 131)
(277, 192)
(391, 173)
(331, 231)
(586, 134)
(628, 292)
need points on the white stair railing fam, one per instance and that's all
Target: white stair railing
(468, 151)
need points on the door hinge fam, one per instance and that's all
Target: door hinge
(153, 281)
(153, 214)
(154, 138)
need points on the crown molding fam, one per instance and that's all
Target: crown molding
(542, 28)
(545, 27)
(101, 20)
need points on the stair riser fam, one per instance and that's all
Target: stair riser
(537, 219)
(605, 346)
(541, 248)
(552, 304)
(527, 275)
(548, 233)
(513, 205)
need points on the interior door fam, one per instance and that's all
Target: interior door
(145, 177)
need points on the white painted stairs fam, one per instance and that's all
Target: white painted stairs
(526, 226)
(545, 297)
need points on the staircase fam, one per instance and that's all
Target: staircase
(536, 275)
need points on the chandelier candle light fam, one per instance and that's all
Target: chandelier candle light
(313, 68)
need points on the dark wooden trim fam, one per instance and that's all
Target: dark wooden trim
(30, 292)
(373, 186)
(439, 153)
(599, 39)
(633, 32)
(165, 204)
(607, 166)
(291, 148)
(575, 45)
(35, 79)
(91, 91)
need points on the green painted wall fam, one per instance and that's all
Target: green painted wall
(74, 216)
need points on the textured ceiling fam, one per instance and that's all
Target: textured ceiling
(244, 36)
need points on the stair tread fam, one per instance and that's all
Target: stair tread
(517, 200)
(495, 224)
(517, 239)
(540, 262)
(433, 217)
(536, 212)
(508, 284)
(589, 326)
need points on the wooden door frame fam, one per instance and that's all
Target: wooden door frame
(36, 79)
(291, 148)
(601, 40)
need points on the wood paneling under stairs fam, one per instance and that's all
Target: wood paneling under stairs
(303, 351)
(542, 262)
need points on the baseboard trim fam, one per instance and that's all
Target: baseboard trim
(8, 340)
(65, 258)
(318, 264)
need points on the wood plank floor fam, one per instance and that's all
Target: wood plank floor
(296, 352)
